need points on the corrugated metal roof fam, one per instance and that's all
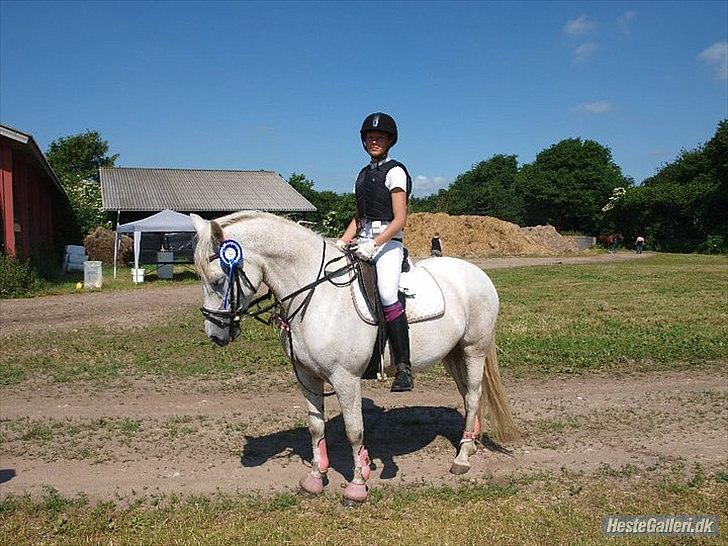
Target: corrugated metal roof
(141, 189)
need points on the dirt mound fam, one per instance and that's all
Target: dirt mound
(479, 236)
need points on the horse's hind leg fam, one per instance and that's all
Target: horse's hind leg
(312, 389)
(466, 367)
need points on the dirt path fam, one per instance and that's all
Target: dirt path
(195, 438)
(152, 438)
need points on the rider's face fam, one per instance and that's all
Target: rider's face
(377, 143)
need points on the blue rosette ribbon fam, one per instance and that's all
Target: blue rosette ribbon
(231, 257)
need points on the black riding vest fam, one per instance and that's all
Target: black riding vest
(373, 200)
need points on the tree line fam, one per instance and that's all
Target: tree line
(574, 185)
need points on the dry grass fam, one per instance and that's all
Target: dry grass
(528, 510)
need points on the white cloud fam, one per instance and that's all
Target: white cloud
(716, 56)
(580, 25)
(425, 185)
(594, 107)
(584, 52)
(625, 20)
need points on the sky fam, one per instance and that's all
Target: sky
(284, 86)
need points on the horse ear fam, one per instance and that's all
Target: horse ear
(216, 233)
(198, 222)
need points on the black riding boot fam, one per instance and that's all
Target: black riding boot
(398, 334)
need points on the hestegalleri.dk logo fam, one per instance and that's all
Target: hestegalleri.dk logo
(698, 525)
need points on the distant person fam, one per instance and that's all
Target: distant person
(436, 245)
(614, 240)
(639, 244)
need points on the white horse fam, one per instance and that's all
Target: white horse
(330, 342)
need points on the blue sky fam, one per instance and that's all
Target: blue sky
(285, 86)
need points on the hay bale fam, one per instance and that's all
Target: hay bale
(481, 236)
(99, 246)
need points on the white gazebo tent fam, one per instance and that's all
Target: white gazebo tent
(166, 221)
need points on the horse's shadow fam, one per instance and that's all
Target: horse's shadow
(387, 434)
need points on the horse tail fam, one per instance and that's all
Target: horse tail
(493, 403)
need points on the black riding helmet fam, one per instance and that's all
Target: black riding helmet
(379, 121)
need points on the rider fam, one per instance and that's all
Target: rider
(382, 189)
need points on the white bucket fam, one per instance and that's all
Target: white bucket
(92, 275)
(137, 275)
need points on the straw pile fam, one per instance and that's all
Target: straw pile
(480, 236)
(100, 246)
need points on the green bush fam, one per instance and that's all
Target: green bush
(17, 279)
(714, 244)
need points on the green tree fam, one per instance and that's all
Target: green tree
(333, 211)
(489, 188)
(76, 160)
(682, 207)
(79, 157)
(436, 202)
(568, 184)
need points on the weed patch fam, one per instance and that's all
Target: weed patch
(539, 509)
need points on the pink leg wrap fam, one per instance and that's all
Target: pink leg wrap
(312, 484)
(321, 456)
(391, 312)
(467, 436)
(356, 492)
(363, 463)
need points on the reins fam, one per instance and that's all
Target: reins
(276, 313)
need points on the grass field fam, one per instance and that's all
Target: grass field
(67, 282)
(668, 312)
(564, 509)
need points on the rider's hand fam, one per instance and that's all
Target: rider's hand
(340, 244)
(367, 250)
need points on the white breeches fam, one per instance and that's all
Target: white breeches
(389, 267)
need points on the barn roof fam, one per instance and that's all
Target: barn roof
(26, 140)
(142, 189)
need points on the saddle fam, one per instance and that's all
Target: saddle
(414, 280)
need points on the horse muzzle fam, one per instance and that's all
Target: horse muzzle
(221, 327)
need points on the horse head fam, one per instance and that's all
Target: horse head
(229, 282)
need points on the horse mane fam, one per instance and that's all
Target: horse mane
(205, 248)
(235, 217)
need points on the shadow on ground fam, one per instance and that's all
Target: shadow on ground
(388, 434)
(6, 474)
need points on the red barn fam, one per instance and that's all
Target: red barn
(28, 190)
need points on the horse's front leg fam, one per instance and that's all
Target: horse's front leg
(312, 389)
(348, 390)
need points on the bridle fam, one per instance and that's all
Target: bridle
(228, 315)
(232, 310)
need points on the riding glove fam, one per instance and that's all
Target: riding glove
(367, 250)
(340, 244)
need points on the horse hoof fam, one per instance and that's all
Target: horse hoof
(355, 494)
(459, 469)
(348, 503)
(311, 484)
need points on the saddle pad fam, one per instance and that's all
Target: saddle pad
(423, 297)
